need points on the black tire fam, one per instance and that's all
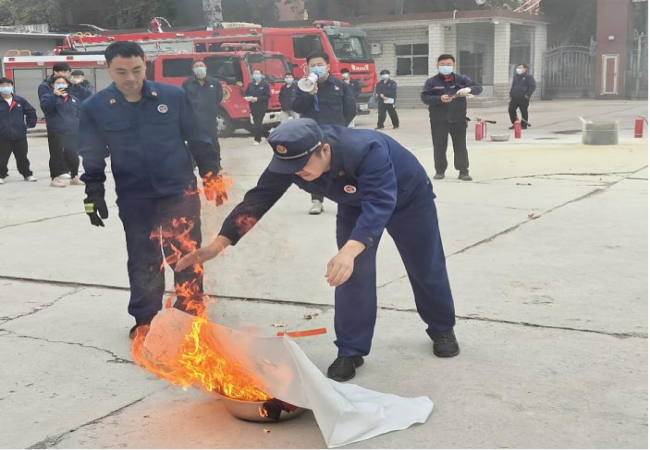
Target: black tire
(225, 125)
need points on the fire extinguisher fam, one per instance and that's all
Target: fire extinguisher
(518, 129)
(638, 126)
(479, 130)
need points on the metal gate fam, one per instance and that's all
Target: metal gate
(568, 72)
(636, 85)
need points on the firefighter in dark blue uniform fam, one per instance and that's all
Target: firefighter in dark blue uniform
(142, 126)
(378, 185)
(206, 94)
(523, 87)
(446, 94)
(386, 91)
(331, 102)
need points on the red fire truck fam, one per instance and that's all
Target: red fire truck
(232, 68)
(346, 46)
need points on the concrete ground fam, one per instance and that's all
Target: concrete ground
(547, 255)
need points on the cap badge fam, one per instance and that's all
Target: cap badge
(282, 150)
(162, 109)
(350, 189)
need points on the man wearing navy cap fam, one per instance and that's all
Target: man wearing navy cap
(378, 184)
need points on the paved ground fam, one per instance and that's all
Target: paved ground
(547, 254)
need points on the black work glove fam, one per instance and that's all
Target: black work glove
(95, 204)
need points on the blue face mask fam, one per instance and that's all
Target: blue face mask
(318, 70)
(200, 71)
(6, 90)
(60, 86)
(385, 76)
(446, 70)
(288, 80)
(520, 71)
(257, 76)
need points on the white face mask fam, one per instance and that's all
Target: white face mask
(200, 72)
(345, 75)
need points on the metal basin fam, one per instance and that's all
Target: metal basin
(499, 137)
(260, 411)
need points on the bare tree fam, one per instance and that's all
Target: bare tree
(213, 13)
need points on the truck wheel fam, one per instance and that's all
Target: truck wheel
(225, 125)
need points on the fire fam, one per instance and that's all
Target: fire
(200, 361)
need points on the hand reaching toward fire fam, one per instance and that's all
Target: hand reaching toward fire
(203, 254)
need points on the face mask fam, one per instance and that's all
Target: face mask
(318, 70)
(385, 76)
(345, 75)
(6, 90)
(257, 76)
(446, 70)
(200, 72)
(520, 71)
(60, 86)
(288, 80)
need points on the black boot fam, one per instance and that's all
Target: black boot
(140, 322)
(464, 176)
(445, 345)
(439, 176)
(343, 367)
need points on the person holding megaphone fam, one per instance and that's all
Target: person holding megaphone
(325, 99)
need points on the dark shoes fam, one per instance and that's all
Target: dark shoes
(439, 176)
(379, 128)
(141, 325)
(464, 176)
(445, 345)
(344, 367)
(395, 127)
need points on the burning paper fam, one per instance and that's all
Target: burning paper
(192, 351)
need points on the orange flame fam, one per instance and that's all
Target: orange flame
(199, 361)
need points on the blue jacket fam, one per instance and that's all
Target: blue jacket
(206, 99)
(145, 141)
(262, 92)
(288, 95)
(15, 119)
(44, 88)
(369, 171)
(61, 113)
(333, 104)
(354, 85)
(437, 86)
(523, 86)
(82, 90)
(388, 88)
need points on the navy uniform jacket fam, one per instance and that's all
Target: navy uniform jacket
(145, 141)
(263, 94)
(523, 86)
(81, 90)
(61, 113)
(439, 85)
(288, 95)
(354, 85)
(336, 103)
(388, 88)
(44, 88)
(15, 119)
(369, 170)
(205, 99)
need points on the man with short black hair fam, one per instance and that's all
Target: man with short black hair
(143, 126)
(386, 91)
(16, 116)
(206, 94)
(446, 94)
(81, 88)
(59, 69)
(331, 102)
(523, 86)
(287, 95)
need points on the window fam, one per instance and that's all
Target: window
(304, 45)
(350, 48)
(175, 68)
(225, 68)
(273, 67)
(412, 59)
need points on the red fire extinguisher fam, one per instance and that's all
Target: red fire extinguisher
(638, 127)
(479, 130)
(518, 129)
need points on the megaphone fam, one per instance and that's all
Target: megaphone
(307, 84)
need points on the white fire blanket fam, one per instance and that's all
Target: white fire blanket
(345, 413)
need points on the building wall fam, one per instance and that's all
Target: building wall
(612, 36)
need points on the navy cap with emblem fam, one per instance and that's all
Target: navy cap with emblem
(293, 143)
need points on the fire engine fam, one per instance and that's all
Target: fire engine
(346, 47)
(232, 67)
